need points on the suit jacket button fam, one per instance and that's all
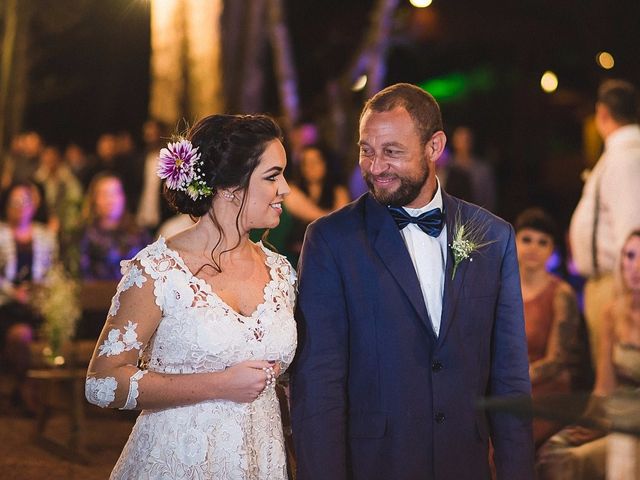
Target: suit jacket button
(440, 418)
(436, 366)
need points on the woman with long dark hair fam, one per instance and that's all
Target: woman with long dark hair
(202, 323)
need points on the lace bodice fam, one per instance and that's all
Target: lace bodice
(197, 332)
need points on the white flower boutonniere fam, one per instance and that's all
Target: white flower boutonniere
(467, 238)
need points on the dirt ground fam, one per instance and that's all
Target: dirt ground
(22, 457)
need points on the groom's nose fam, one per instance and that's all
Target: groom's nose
(377, 165)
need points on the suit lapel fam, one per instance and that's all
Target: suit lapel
(388, 243)
(452, 286)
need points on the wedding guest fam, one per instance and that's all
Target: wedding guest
(22, 162)
(607, 210)
(78, 162)
(131, 166)
(150, 207)
(303, 134)
(106, 155)
(110, 234)
(62, 193)
(319, 181)
(464, 158)
(455, 179)
(409, 311)
(550, 312)
(27, 252)
(202, 324)
(578, 452)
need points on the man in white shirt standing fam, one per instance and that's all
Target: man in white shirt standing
(609, 208)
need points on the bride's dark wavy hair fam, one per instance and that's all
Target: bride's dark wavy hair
(230, 148)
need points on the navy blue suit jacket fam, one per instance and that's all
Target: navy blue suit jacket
(375, 394)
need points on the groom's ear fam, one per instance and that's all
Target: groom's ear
(435, 145)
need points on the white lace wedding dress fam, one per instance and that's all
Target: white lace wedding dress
(200, 333)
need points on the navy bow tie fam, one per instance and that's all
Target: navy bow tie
(430, 222)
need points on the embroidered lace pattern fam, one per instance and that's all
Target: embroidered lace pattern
(132, 397)
(198, 333)
(114, 345)
(101, 391)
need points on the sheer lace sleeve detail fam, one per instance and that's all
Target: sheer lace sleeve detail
(135, 313)
(132, 397)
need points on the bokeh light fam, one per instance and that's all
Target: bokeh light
(605, 60)
(360, 83)
(549, 81)
(420, 3)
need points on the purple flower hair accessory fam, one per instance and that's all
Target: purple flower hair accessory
(179, 166)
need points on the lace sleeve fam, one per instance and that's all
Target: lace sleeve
(113, 375)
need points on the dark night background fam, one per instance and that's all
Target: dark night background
(92, 76)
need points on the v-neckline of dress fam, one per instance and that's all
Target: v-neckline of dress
(206, 286)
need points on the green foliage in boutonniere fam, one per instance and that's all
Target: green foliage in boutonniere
(468, 237)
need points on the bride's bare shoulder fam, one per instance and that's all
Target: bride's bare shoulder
(183, 241)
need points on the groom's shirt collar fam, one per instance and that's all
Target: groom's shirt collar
(436, 202)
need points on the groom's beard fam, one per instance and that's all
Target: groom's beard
(406, 193)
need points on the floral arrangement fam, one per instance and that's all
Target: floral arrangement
(57, 300)
(179, 165)
(467, 238)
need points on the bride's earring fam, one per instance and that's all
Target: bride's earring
(228, 195)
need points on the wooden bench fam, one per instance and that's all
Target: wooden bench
(61, 388)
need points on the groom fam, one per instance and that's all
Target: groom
(402, 327)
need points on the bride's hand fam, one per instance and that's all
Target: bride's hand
(245, 381)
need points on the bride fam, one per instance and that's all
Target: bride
(202, 324)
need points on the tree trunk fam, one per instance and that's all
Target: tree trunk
(252, 82)
(204, 78)
(284, 65)
(185, 59)
(371, 57)
(14, 68)
(166, 99)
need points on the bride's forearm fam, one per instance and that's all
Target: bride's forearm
(130, 388)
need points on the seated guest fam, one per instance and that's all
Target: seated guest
(550, 312)
(27, 251)
(578, 452)
(110, 235)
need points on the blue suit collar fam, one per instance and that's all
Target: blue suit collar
(389, 245)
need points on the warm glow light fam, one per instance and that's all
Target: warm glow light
(605, 60)
(420, 3)
(360, 83)
(549, 82)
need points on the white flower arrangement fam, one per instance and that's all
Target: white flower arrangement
(467, 238)
(57, 300)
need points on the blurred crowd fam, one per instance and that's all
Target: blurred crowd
(90, 210)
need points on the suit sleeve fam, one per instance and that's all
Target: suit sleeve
(511, 436)
(319, 374)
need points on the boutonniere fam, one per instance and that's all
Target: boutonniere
(468, 237)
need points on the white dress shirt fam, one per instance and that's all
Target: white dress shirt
(616, 181)
(429, 256)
